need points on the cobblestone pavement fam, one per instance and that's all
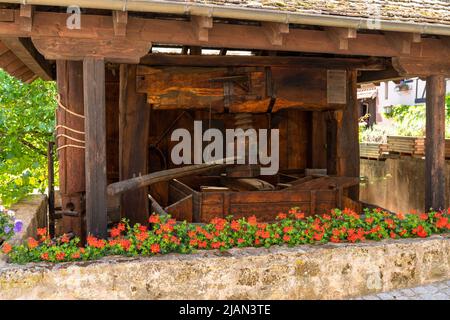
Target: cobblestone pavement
(434, 291)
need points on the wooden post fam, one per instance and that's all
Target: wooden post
(72, 184)
(134, 113)
(347, 144)
(95, 127)
(318, 140)
(435, 143)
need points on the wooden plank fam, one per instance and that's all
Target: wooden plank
(407, 66)
(95, 127)
(222, 35)
(118, 50)
(275, 31)
(134, 113)
(263, 61)
(377, 76)
(6, 15)
(182, 210)
(120, 21)
(435, 144)
(201, 26)
(347, 137)
(341, 36)
(164, 175)
(72, 163)
(25, 51)
(26, 17)
(318, 144)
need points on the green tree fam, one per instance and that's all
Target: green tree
(27, 121)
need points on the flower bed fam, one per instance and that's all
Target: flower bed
(166, 236)
(9, 225)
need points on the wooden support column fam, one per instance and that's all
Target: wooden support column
(134, 119)
(95, 127)
(435, 143)
(318, 140)
(71, 155)
(347, 142)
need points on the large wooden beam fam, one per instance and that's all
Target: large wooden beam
(133, 135)
(119, 50)
(263, 61)
(435, 143)
(95, 127)
(178, 32)
(72, 178)
(347, 141)
(25, 51)
(421, 67)
(377, 76)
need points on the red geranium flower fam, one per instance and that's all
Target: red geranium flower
(125, 244)
(76, 255)
(155, 248)
(65, 238)
(32, 243)
(442, 222)
(288, 229)
(60, 256)
(115, 232)
(240, 240)
(252, 221)
(142, 236)
(154, 219)
(286, 238)
(299, 215)
(6, 248)
(421, 232)
(121, 227)
(42, 232)
(423, 216)
(281, 216)
(235, 225)
(44, 256)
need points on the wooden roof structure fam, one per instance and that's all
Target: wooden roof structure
(305, 56)
(383, 28)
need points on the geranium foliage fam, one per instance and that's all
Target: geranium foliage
(27, 116)
(165, 235)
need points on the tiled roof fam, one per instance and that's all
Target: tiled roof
(419, 11)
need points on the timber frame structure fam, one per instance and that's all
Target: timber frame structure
(120, 97)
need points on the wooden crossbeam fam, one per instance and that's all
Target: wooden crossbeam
(201, 26)
(262, 61)
(6, 15)
(421, 67)
(26, 52)
(403, 41)
(120, 21)
(275, 31)
(177, 32)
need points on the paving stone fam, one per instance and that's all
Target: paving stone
(421, 290)
(435, 291)
(435, 296)
(385, 296)
(371, 298)
(408, 292)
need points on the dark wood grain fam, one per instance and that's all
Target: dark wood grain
(95, 127)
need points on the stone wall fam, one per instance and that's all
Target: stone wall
(33, 212)
(332, 271)
(397, 184)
